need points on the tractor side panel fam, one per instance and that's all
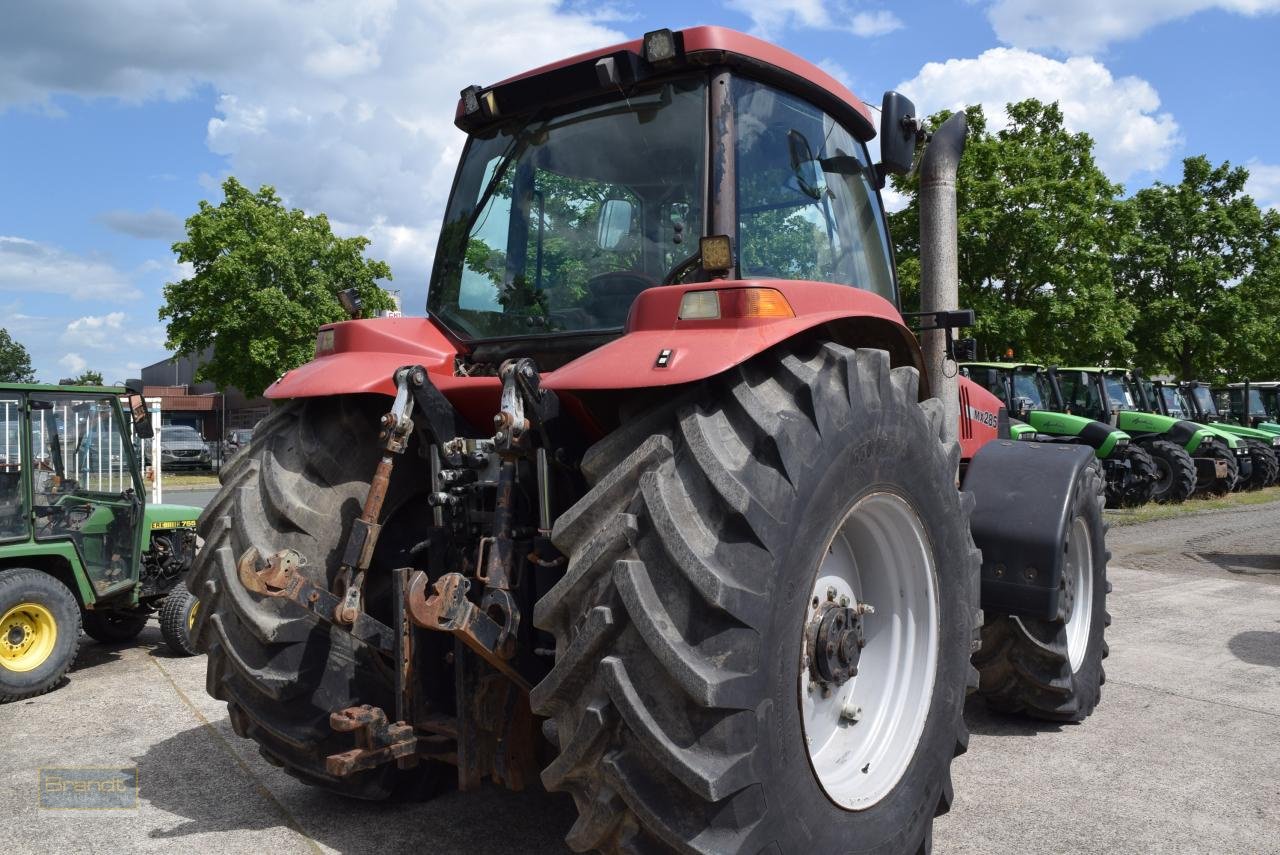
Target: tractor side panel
(165, 517)
(1187, 434)
(1022, 507)
(1102, 438)
(58, 558)
(981, 414)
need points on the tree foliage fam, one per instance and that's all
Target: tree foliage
(1202, 263)
(88, 377)
(1039, 224)
(265, 277)
(15, 361)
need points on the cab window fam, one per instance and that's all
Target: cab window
(14, 516)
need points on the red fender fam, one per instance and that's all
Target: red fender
(979, 417)
(366, 353)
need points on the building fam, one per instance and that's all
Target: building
(183, 401)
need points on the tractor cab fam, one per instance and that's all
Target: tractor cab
(1022, 386)
(1097, 393)
(1263, 410)
(603, 181)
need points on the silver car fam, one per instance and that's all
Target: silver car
(182, 447)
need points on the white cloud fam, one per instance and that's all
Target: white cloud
(770, 17)
(155, 224)
(1084, 26)
(113, 332)
(73, 362)
(1264, 184)
(346, 108)
(1122, 115)
(27, 265)
(871, 24)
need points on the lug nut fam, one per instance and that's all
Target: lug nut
(831, 594)
(850, 712)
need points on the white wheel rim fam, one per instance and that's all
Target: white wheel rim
(1079, 576)
(880, 556)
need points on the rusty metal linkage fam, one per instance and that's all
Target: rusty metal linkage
(378, 741)
(447, 609)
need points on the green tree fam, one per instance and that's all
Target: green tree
(1201, 266)
(1039, 225)
(86, 378)
(265, 277)
(15, 362)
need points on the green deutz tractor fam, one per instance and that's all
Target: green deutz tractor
(78, 544)
(1260, 444)
(1131, 474)
(1264, 404)
(1114, 396)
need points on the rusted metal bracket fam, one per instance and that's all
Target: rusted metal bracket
(447, 609)
(378, 742)
(280, 578)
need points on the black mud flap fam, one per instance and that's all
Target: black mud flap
(1022, 507)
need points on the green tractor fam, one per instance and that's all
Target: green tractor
(79, 547)
(1114, 396)
(1264, 404)
(1027, 392)
(1261, 444)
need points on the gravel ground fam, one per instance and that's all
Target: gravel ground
(1182, 756)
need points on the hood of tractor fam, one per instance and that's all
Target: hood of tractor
(162, 516)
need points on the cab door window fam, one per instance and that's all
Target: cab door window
(14, 514)
(83, 484)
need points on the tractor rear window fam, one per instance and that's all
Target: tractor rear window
(13, 498)
(806, 206)
(556, 224)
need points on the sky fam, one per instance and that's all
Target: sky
(117, 118)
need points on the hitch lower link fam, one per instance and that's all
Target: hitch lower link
(443, 606)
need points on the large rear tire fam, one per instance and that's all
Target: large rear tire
(685, 715)
(1175, 471)
(298, 485)
(1052, 669)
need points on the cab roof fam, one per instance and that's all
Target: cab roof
(700, 47)
(51, 387)
(1002, 365)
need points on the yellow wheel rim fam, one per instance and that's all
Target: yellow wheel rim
(191, 615)
(28, 633)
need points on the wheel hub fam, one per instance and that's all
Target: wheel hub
(836, 639)
(16, 635)
(27, 636)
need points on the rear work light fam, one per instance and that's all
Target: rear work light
(734, 303)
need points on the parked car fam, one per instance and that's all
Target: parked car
(182, 447)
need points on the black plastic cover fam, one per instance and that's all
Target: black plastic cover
(1022, 508)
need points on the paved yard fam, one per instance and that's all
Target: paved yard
(1182, 756)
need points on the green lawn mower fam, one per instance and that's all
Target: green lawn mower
(1026, 390)
(1114, 396)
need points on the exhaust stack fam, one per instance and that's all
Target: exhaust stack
(939, 261)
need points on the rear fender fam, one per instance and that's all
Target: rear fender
(658, 349)
(1022, 509)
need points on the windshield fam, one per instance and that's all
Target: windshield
(1173, 402)
(1204, 400)
(1118, 392)
(1030, 385)
(806, 206)
(556, 224)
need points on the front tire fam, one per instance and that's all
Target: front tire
(177, 618)
(1138, 483)
(679, 691)
(39, 633)
(1264, 465)
(1053, 669)
(1175, 472)
(1216, 449)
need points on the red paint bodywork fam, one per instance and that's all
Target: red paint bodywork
(979, 412)
(720, 39)
(366, 353)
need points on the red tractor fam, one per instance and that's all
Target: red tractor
(663, 501)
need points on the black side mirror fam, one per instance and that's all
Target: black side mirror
(899, 131)
(138, 410)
